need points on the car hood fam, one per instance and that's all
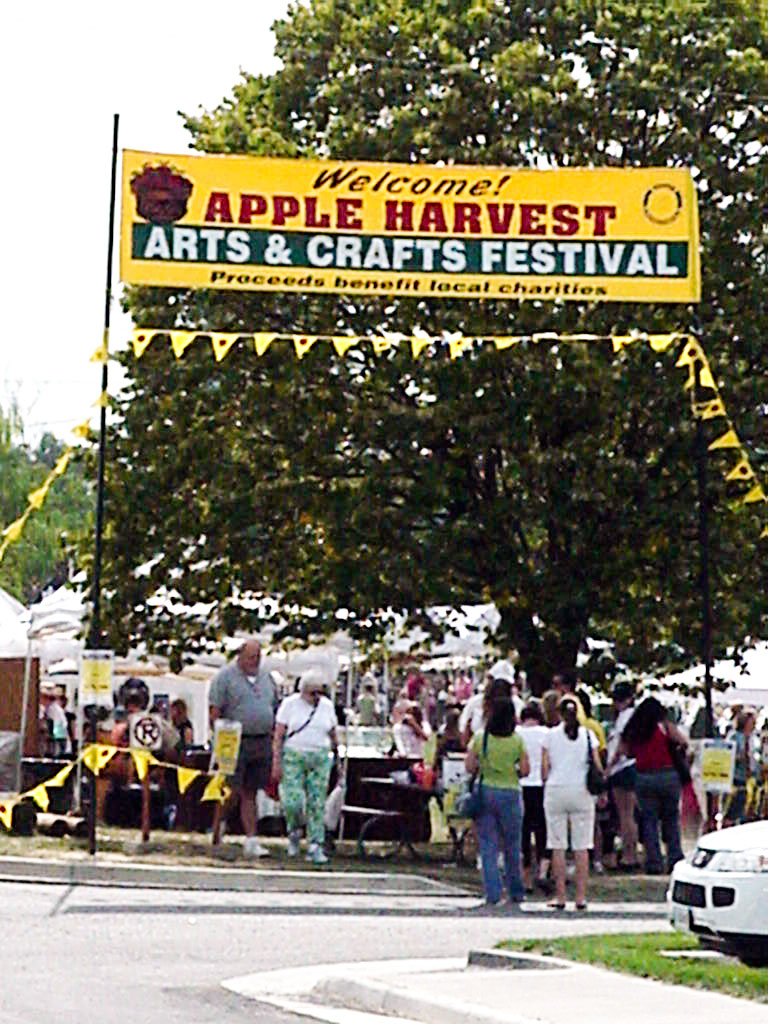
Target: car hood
(740, 837)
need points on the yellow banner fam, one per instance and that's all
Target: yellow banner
(268, 224)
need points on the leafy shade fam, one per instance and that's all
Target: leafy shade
(559, 482)
(45, 549)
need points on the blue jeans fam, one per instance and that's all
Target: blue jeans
(658, 803)
(499, 827)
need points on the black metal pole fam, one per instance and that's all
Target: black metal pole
(706, 616)
(95, 630)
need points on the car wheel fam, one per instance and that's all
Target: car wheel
(753, 954)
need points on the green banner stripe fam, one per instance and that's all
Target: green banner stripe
(242, 247)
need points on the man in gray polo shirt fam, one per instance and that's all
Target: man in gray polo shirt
(242, 692)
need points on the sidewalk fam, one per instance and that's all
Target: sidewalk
(93, 871)
(524, 989)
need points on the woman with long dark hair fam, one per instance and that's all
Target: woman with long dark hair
(568, 804)
(499, 754)
(647, 737)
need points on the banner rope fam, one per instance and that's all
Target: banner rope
(96, 756)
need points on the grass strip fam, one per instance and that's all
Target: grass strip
(641, 955)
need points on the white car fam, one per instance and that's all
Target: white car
(721, 892)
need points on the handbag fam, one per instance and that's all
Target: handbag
(470, 802)
(679, 754)
(596, 783)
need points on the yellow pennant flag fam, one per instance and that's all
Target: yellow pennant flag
(100, 355)
(458, 346)
(709, 410)
(222, 343)
(82, 429)
(302, 344)
(97, 755)
(215, 789)
(342, 344)
(728, 440)
(756, 494)
(102, 401)
(706, 379)
(262, 342)
(418, 343)
(661, 342)
(6, 813)
(741, 471)
(506, 342)
(620, 341)
(181, 340)
(36, 498)
(381, 345)
(141, 759)
(61, 463)
(61, 777)
(40, 796)
(185, 777)
(12, 532)
(690, 353)
(140, 340)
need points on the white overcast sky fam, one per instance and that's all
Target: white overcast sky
(65, 69)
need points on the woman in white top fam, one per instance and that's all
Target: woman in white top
(305, 732)
(412, 732)
(533, 733)
(567, 801)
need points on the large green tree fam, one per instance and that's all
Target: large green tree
(557, 480)
(46, 550)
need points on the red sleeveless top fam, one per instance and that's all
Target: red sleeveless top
(653, 756)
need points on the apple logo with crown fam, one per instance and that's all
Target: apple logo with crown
(161, 193)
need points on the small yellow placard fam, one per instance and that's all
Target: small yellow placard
(96, 677)
(226, 746)
(718, 758)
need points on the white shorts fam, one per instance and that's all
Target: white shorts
(569, 805)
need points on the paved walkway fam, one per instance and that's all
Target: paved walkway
(527, 989)
(532, 990)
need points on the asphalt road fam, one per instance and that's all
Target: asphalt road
(90, 955)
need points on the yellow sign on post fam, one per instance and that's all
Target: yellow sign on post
(226, 746)
(96, 678)
(272, 224)
(718, 760)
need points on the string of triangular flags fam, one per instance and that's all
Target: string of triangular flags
(36, 498)
(222, 341)
(692, 352)
(711, 408)
(95, 757)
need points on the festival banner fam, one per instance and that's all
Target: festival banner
(471, 232)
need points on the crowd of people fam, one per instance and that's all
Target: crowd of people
(532, 755)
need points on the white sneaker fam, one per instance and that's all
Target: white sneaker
(293, 843)
(252, 848)
(315, 854)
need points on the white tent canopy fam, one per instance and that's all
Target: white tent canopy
(751, 673)
(13, 635)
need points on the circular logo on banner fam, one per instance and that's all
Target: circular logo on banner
(662, 204)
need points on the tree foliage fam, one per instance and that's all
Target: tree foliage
(558, 481)
(46, 548)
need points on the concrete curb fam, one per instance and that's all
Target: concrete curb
(510, 961)
(133, 875)
(381, 998)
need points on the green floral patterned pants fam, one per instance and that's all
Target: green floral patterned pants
(304, 787)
